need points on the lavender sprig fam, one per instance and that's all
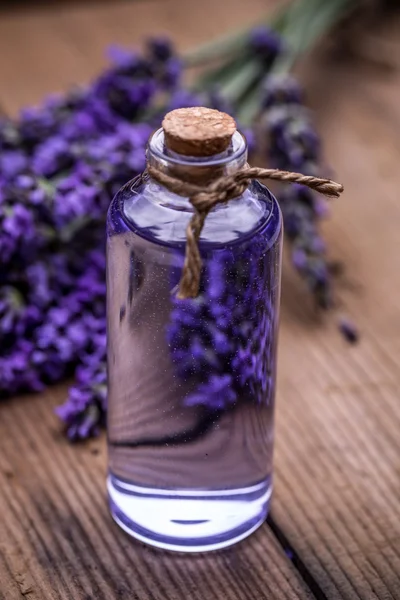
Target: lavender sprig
(223, 339)
(294, 145)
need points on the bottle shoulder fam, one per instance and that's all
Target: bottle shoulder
(146, 209)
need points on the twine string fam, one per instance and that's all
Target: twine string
(221, 190)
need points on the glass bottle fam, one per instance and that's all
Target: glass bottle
(191, 382)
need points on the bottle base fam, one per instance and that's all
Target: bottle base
(188, 520)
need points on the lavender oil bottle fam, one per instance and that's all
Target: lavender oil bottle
(192, 380)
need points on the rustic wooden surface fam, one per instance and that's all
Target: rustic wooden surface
(334, 531)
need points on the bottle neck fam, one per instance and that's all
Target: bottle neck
(162, 216)
(195, 169)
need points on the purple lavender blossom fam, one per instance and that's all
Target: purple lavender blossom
(160, 48)
(17, 369)
(16, 318)
(217, 393)
(37, 124)
(348, 329)
(12, 163)
(121, 57)
(40, 284)
(308, 255)
(83, 412)
(171, 74)
(295, 146)
(182, 98)
(299, 258)
(18, 232)
(293, 142)
(19, 222)
(52, 156)
(281, 89)
(224, 338)
(266, 43)
(60, 165)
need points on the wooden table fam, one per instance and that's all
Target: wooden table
(334, 531)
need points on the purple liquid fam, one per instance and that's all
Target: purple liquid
(191, 383)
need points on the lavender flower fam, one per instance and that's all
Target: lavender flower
(52, 156)
(182, 98)
(308, 254)
(60, 164)
(170, 74)
(223, 339)
(293, 141)
(83, 413)
(16, 318)
(19, 234)
(37, 124)
(160, 48)
(266, 43)
(122, 58)
(217, 392)
(294, 145)
(125, 99)
(17, 369)
(348, 330)
(281, 89)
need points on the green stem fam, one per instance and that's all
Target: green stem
(217, 49)
(233, 42)
(239, 77)
(249, 107)
(217, 77)
(243, 80)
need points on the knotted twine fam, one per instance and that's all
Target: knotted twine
(223, 189)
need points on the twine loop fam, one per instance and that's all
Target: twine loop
(219, 191)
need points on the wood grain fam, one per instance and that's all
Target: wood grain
(57, 540)
(337, 495)
(337, 500)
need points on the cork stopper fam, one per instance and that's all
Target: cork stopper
(198, 131)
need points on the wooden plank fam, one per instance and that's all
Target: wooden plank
(57, 540)
(338, 448)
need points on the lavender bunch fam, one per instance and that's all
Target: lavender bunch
(257, 87)
(61, 163)
(222, 340)
(293, 145)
